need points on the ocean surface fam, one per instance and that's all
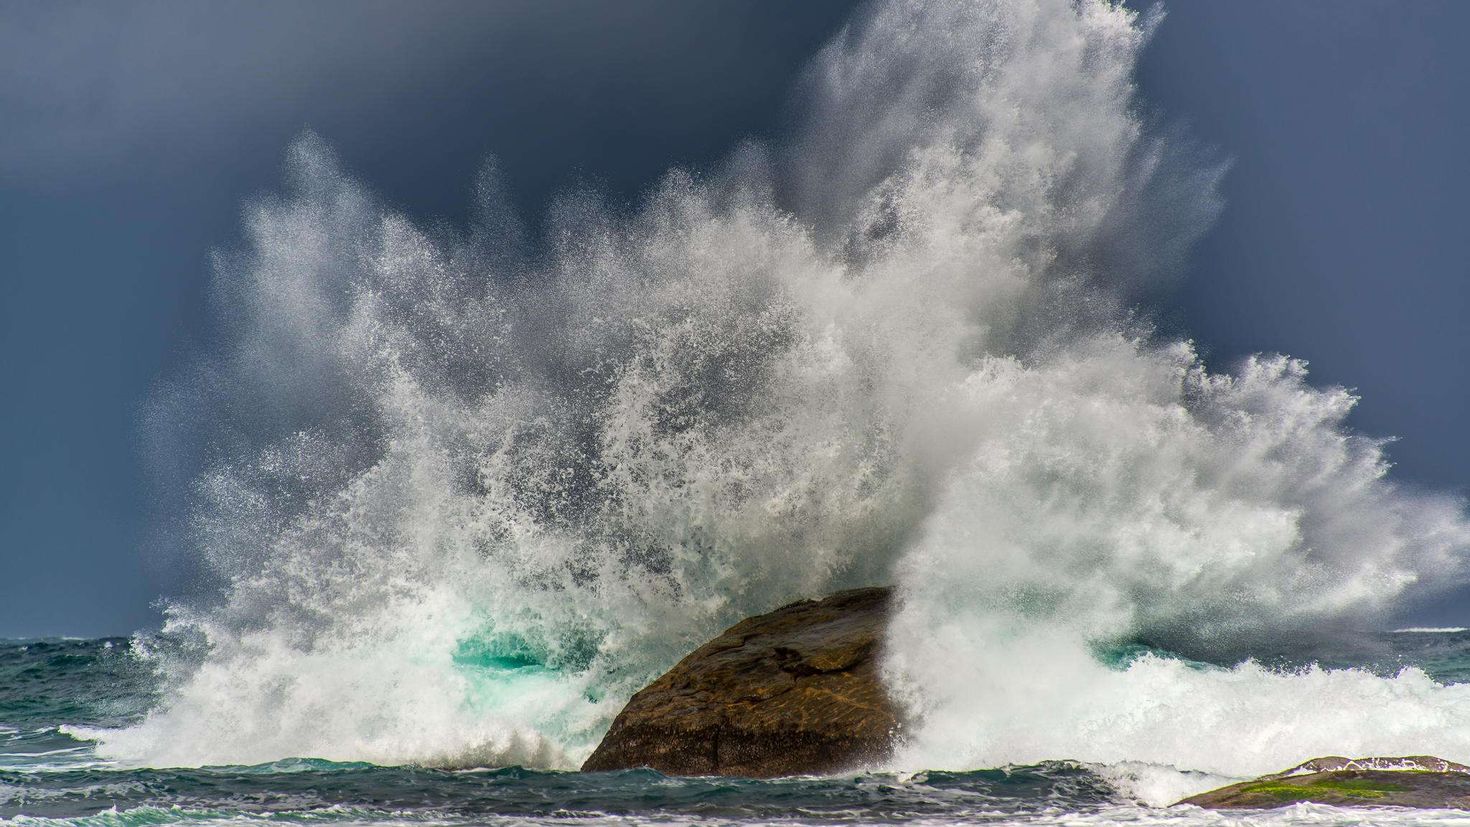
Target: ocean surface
(50, 690)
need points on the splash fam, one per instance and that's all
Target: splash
(461, 493)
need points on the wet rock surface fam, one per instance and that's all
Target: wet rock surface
(792, 692)
(1421, 781)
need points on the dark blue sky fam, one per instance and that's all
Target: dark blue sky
(132, 133)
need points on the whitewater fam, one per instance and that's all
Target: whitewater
(450, 495)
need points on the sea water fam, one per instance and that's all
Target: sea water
(50, 774)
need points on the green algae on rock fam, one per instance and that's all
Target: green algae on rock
(792, 692)
(1419, 781)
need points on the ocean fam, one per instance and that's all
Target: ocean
(52, 690)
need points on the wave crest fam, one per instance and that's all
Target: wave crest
(461, 494)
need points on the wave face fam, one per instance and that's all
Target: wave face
(461, 493)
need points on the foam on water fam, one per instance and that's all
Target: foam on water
(457, 494)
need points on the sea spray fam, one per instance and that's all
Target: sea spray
(456, 495)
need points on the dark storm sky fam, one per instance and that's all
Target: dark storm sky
(131, 132)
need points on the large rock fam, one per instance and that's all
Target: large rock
(792, 692)
(1412, 781)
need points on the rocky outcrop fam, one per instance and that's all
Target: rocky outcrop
(792, 692)
(1411, 781)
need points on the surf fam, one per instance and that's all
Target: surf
(453, 494)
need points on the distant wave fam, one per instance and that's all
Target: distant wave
(1431, 630)
(458, 493)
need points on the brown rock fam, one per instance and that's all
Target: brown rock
(1412, 781)
(792, 692)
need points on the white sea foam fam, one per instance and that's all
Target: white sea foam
(460, 501)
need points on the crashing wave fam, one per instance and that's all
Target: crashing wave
(459, 494)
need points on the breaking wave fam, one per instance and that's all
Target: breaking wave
(455, 494)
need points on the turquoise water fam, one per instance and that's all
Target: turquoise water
(49, 777)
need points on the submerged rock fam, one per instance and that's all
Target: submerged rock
(792, 692)
(1411, 781)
